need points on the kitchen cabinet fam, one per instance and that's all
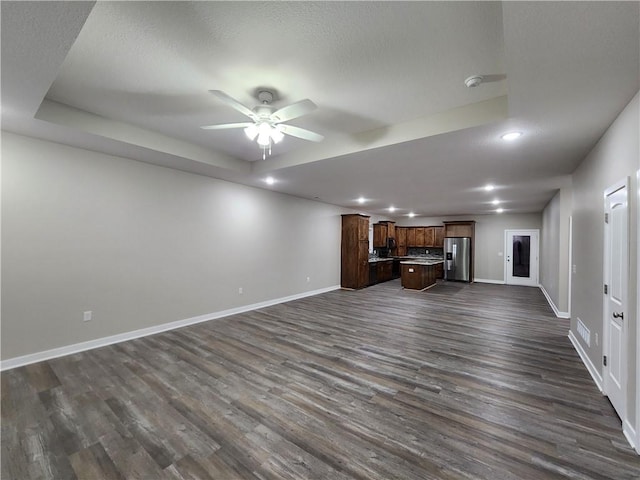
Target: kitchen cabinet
(379, 236)
(385, 271)
(401, 241)
(418, 276)
(459, 229)
(401, 236)
(428, 237)
(354, 264)
(381, 232)
(411, 237)
(438, 237)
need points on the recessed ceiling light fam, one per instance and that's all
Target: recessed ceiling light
(496, 201)
(361, 200)
(411, 214)
(499, 210)
(392, 209)
(270, 180)
(489, 188)
(511, 136)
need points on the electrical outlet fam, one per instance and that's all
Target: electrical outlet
(240, 291)
(596, 339)
(499, 254)
(88, 315)
(574, 269)
(308, 279)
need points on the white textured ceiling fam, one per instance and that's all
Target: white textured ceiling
(400, 127)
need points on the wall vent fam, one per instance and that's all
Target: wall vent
(584, 332)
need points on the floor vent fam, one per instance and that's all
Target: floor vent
(584, 332)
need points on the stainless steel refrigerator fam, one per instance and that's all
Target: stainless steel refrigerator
(457, 259)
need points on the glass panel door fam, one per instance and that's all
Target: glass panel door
(521, 261)
(521, 257)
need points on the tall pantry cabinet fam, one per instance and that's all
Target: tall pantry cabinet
(354, 271)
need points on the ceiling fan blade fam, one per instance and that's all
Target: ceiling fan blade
(301, 133)
(294, 110)
(232, 102)
(223, 126)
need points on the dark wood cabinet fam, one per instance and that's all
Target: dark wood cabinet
(438, 237)
(385, 271)
(381, 232)
(379, 236)
(428, 237)
(417, 276)
(423, 236)
(411, 237)
(354, 271)
(401, 241)
(459, 229)
(401, 236)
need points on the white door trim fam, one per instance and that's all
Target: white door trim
(624, 183)
(637, 440)
(507, 249)
(570, 274)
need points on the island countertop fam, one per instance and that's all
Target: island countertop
(421, 262)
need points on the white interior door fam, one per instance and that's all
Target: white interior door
(616, 274)
(521, 257)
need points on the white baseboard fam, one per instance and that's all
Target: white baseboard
(558, 313)
(143, 332)
(630, 434)
(597, 378)
(486, 280)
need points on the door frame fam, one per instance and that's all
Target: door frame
(637, 445)
(507, 248)
(605, 303)
(570, 271)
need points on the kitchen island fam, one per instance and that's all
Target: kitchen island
(419, 274)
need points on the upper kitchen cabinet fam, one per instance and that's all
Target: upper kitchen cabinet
(459, 229)
(438, 237)
(401, 241)
(354, 265)
(424, 236)
(429, 237)
(382, 231)
(411, 237)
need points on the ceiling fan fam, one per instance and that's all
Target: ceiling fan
(267, 125)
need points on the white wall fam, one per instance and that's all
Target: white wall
(489, 237)
(615, 157)
(142, 245)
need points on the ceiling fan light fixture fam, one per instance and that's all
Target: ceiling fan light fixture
(251, 132)
(264, 140)
(264, 134)
(276, 135)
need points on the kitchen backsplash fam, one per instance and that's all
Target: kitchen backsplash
(421, 252)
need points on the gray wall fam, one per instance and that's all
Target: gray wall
(550, 249)
(142, 245)
(554, 248)
(616, 156)
(489, 242)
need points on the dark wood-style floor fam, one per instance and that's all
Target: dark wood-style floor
(458, 382)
